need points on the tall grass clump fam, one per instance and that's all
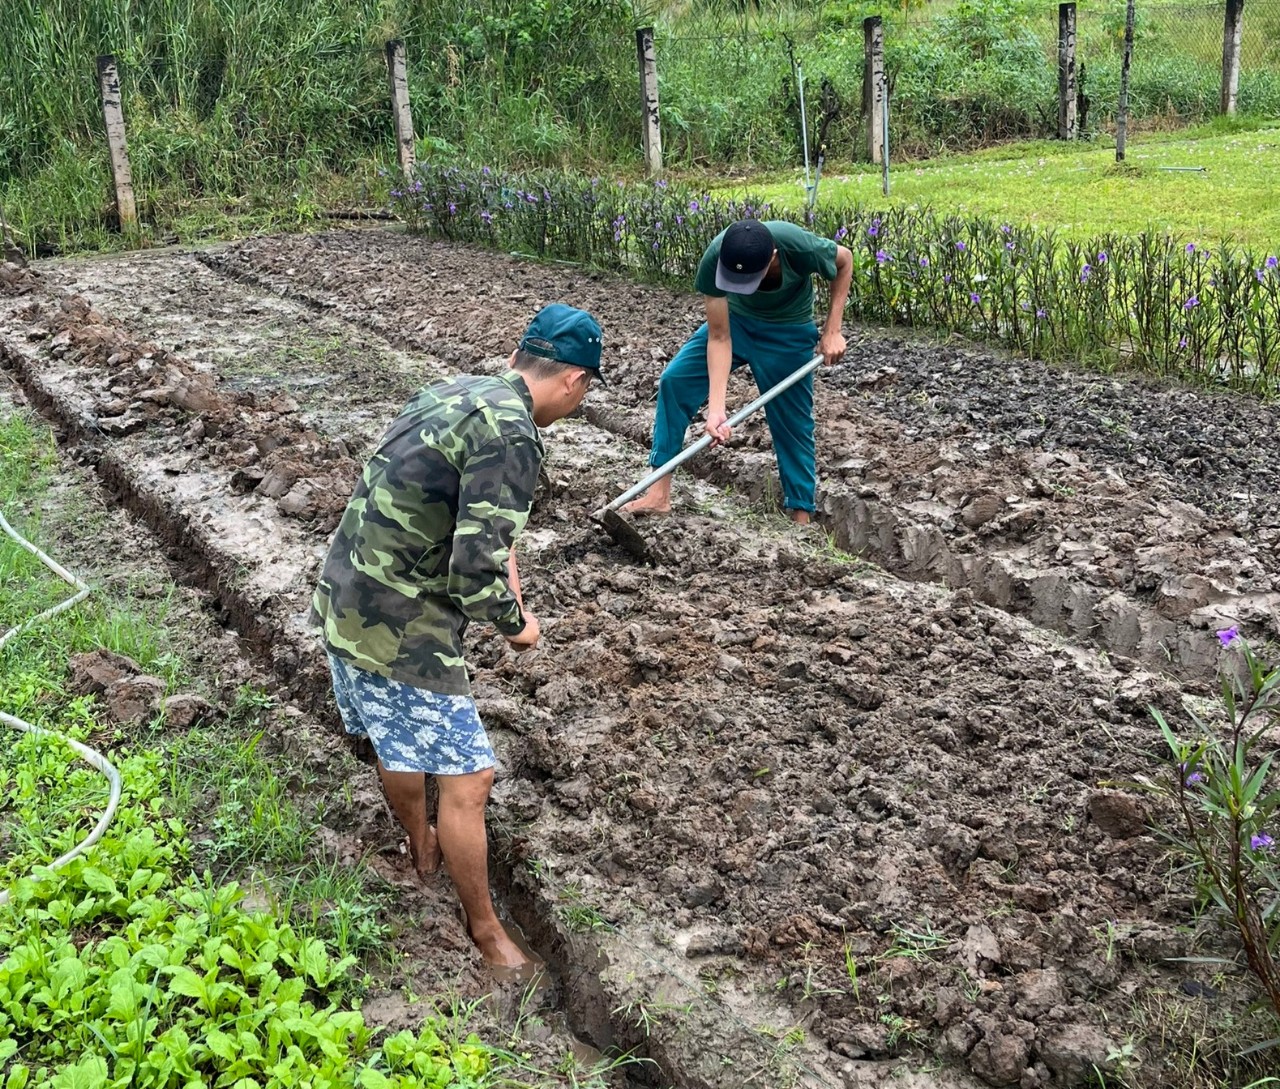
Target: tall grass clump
(233, 106)
(1153, 302)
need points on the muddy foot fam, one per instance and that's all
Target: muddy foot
(646, 506)
(499, 951)
(429, 864)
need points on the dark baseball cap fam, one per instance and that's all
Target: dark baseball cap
(565, 334)
(745, 252)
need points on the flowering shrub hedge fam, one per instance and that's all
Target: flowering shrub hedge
(1154, 302)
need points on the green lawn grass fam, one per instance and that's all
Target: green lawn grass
(1080, 190)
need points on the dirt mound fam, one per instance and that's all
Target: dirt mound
(135, 384)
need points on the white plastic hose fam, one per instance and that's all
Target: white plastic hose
(90, 756)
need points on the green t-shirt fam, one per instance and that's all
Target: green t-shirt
(801, 253)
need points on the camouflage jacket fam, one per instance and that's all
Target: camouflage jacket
(422, 547)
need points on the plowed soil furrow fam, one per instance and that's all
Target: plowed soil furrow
(770, 809)
(1122, 515)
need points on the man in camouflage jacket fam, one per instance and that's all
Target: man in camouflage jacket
(426, 546)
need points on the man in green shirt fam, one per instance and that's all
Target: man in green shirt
(756, 280)
(426, 546)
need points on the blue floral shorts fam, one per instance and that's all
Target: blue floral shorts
(410, 728)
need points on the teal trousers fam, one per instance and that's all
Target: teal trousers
(772, 351)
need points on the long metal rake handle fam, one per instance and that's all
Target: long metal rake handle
(705, 441)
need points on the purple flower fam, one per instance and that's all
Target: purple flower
(453, 208)
(1271, 262)
(485, 171)
(924, 262)
(1102, 257)
(1260, 841)
(1191, 303)
(417, 187)
(1006, 229)
(694, 206)
(1041, 313)
(1191, 247)
(679, 220)
(1193, 778)
(662, 183)
(1024, 305)
(946, 277)
(975, 298)
(841, 233)
(874, 229)
(487, 216)
(961, 247)
(881, 257)
(1227, 636)
(1182, 343)
(396, 193)
(1010, 246)
(1261, 275)
(1084, 273)
(655, 247)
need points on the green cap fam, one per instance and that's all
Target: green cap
(565, 334)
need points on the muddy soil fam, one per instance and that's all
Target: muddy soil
(768, 807)
(1128, 516)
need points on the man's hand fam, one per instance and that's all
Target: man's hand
(831, 347)
(717, 428)
(528, 637)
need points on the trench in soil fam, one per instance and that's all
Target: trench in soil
(734, 770)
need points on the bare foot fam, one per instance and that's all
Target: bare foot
(496, 946)
(800, 517)
(649, 504)
(429, 862)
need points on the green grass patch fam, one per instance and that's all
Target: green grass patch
(1080, 191)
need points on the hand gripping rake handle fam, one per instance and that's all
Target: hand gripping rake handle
(705, 441)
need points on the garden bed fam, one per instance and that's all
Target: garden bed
(774, 809)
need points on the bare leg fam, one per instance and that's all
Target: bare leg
(800, 517)
(407, 793)
(466, 854)
(657, 500)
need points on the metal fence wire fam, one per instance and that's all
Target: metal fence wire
(964, 77)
